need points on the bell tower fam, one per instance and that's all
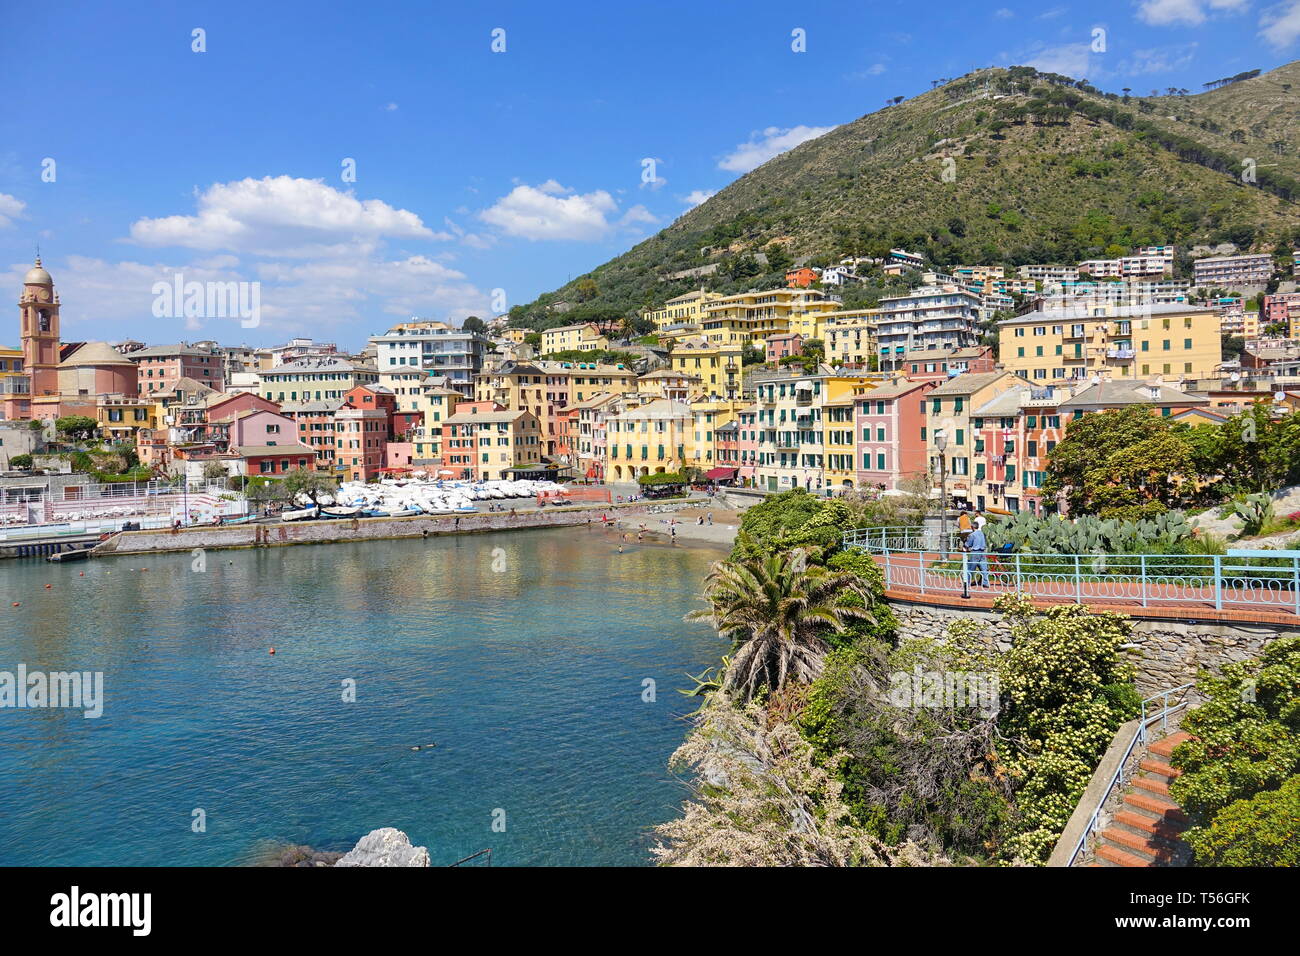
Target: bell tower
(38, 317)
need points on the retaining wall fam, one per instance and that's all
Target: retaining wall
(1165, 653)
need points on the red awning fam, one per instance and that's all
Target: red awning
(717, 474)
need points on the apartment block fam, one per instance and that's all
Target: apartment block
(435, 347)
(928, 319)
(1056, 345)
(1233, 272)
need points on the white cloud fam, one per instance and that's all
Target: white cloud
(1160, 13)
(391, 107)
(773, 141)
(1002, 13)
(1068, 59)
(550, 211)
(322, 298)
(697, 196)
(638, 215)
(281, 215)
(1158, 60)
(1279, 26)
(11, 208)
(475, 240)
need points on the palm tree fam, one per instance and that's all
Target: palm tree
(776, 609)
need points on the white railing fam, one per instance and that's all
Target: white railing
(922, 560)
(1149, 715)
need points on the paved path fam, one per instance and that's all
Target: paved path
(1178, 598)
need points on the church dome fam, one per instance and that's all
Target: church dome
(95, 354)
(37, 276)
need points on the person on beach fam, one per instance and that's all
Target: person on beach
(710, 517)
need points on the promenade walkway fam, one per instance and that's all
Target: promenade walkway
(1241, 587)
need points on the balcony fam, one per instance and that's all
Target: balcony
(1075, 332)
(1122, 355)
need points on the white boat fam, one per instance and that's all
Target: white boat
(300, 514)
(340, 512)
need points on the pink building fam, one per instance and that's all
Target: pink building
(259, 427)
(786, 343)
(747, 445)
(1283, 308)
(162, 366)
(889, 423)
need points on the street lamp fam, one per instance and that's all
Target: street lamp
(940, 444)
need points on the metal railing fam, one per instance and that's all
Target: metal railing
(1140, 736)
(922, 560)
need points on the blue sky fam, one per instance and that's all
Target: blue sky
(475, 170)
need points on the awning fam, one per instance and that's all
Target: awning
(718, 474)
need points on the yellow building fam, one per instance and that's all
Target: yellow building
(709, 415)
(516, 336)
(573, 338)
(718, 366)
(849, 337)
(120, 417)
(682, 311)
(793, 412)
(750, 317)
(407, 384)
(1134, 342)
(667, 383)
(649, 439)
(11, 364)
(437, 404)
(484, 442)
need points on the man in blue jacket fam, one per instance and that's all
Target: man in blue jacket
(977, 562)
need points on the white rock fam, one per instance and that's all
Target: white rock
(387, 846)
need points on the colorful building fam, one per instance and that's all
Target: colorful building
(1134, 342)
(891, 425)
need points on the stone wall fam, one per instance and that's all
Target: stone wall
(364, 529)
(1166, 654)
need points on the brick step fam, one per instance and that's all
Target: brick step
(1147, 826)
(1160, 768)
(1155, 851)
(1155, 807)
(1152, 785)
(1165, 746)
(1108, 855)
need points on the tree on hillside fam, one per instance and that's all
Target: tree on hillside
(76, 427)
(473, 324)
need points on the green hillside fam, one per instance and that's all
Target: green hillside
(1039, 168)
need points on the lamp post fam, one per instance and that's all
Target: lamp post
(940, 444)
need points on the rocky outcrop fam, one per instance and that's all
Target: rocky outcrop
(387, 846)
(302, 856)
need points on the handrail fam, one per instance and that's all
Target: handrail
(1140, 735)
(920, 560)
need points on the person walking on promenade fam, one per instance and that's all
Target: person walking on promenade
(964, 527)
(975, 561)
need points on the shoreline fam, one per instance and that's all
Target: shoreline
(624, 516)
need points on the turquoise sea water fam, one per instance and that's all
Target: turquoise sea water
(528, 679)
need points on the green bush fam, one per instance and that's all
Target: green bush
(1246, 743)
(1261, 831)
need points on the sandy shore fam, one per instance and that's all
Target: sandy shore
(721, 533)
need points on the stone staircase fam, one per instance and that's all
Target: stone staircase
(1147, 830)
